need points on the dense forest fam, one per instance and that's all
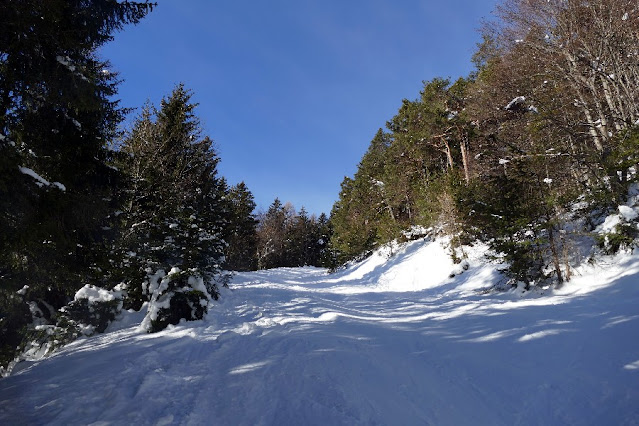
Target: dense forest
(541, 137)
(526, 154)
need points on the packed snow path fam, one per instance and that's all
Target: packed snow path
(385, 342)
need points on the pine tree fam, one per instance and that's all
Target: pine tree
(354, 234)
(299, 240)
(271, 233)
(321, 253)
(241, 254)
(175, 215)
(365, 205)
(56, 118)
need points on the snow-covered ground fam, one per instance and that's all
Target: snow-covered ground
(387, 341)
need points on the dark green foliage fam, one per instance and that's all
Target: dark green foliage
(271, 234)
(299, 236)
(353, 233)
(364, 204)
(132, 276)
(620, 167)
(321, 254)
(13, 325)
(241, 253)
(184, 301)
(56, 118)
(97, 315)
(505, 217)
(401, 178)
(624, 237)
(174, 211)
(184, 305)
(44, 339)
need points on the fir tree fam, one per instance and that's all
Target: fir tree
(175, 214)
(56, 118)
(272, 236)
(241, 254)
(321, 253)
(299, 240)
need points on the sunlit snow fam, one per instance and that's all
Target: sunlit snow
(405, 337)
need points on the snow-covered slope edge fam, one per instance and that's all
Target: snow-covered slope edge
(389, 341)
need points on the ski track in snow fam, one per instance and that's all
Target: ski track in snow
(384, 342)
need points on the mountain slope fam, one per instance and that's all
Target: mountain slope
(386, 341)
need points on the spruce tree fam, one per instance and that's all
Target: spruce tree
(56, 119)
(299, 240)
(271, 233)
(174, 218)
(241, 253)
(322, 254)
(364, 205)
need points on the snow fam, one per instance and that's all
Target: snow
(96, 294)
(197, 283)
(66, 61)
(60, 186)
(404, 337)
(40, 181)
(628, 213)
(519, 100)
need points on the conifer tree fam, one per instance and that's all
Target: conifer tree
(56, 118)
(321, 253)
(241, 254)
(272, 236)
(174, 214)
(299, 240)
(353, 233)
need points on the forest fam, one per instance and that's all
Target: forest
(527, 154)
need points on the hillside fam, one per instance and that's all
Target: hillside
(390, 340)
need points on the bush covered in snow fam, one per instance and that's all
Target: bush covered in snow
(175, 296)
(93, 309)
(42, 340)
(619, 231)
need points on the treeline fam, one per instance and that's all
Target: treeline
(287, 238)
(543, 135)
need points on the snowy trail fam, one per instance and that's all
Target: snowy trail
(384, 342)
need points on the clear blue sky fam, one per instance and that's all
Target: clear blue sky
(293, 91)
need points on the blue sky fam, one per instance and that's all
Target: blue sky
(293, 91)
